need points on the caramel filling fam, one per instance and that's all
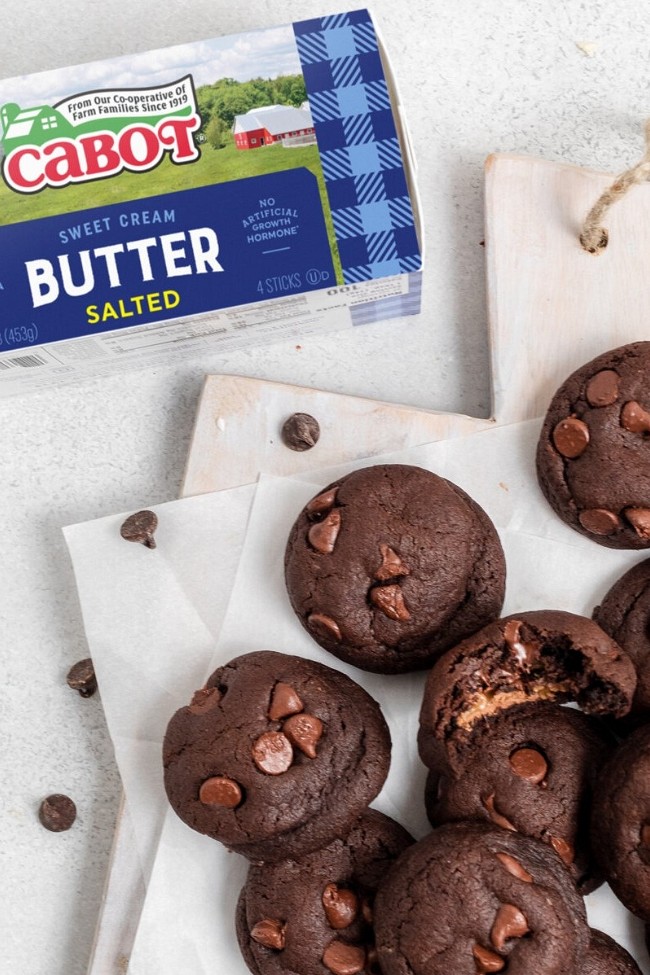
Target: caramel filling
(486, 703)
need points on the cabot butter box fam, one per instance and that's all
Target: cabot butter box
(222, 193)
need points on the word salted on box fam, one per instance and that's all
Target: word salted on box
(221, 193)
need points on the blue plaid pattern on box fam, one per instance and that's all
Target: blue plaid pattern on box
(359, 149)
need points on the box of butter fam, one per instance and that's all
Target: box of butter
(216, 194)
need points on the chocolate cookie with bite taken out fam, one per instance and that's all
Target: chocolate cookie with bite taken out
(471, 899)
(593, 455)
(391, 565)
(620, 822)
(276, 756)
(531, 769)
(315, 914)
(542, 655)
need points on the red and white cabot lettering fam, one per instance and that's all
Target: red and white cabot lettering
(30, 168)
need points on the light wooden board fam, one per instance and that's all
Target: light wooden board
(238, 423)
(551, 307)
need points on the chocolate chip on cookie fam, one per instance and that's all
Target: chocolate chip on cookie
(391, 565)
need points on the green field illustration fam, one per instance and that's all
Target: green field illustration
(247, 129)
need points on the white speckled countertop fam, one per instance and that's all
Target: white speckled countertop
(565, 80)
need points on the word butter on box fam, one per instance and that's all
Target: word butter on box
(226, 192)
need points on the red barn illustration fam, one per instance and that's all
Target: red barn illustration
(274, 123)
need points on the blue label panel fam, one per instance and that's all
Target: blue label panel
(163, 257)
(359, 146)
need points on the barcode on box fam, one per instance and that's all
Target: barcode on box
(26, 361)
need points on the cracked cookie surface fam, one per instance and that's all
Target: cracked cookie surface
(593, 455)
(276, 756)
(391, 565)
(471, 898)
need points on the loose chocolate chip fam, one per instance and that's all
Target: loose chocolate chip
(304, 731)
(322, 502)
(57, 813)
(599, 521)
(324, 625)
(602, 389)
(391, 565)
(341, 906)
(495, 815)
(634, 418)
(269, 933)
(514, 867)
(284, 702)
(272, 753)
(571, 437)
(323, 534)
(220, 791)
(563, 849)
(529, 764)
(344, 959)
(300, 431)
(390, 601)
(204, 700)
(81, 677)
(487, 961)
(509, 923)
(140, 527)
(639, 518)
(525, 653)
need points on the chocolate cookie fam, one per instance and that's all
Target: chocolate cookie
(625, 614)
(389, 566)
(593, 456)
(276, 756)
(544, 655)
(531, 770)
(471, 898)
(621, 822)
(314, 915)
(606, 957)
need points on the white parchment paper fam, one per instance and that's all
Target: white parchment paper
(174, 611)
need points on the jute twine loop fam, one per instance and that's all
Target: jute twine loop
(594, 237)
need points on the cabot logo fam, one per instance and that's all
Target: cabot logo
(98, 134)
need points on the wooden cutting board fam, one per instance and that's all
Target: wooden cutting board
(551, 307)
